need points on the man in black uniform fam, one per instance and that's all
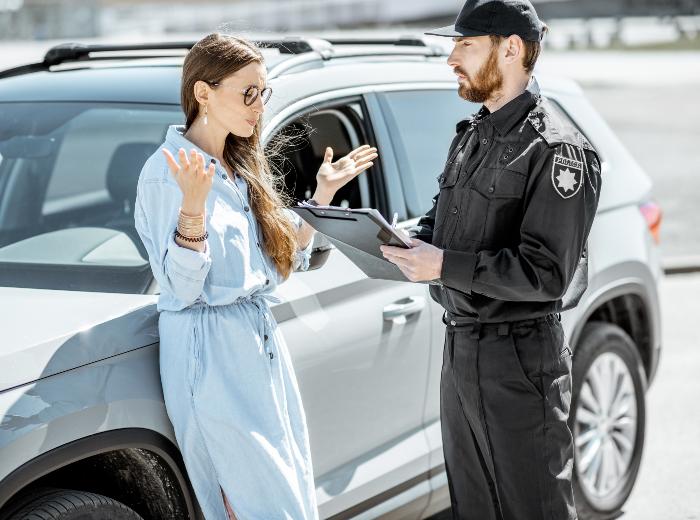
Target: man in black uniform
(504, 247)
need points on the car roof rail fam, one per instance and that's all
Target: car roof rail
(78, 52)
(411, 41)
(403, 46)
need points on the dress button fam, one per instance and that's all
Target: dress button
(265, 337)
(490, 189)
(223, 175)
(267, 282)
(258, 244)
(454, 210)
(246, 208)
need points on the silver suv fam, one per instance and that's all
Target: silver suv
(84, 428)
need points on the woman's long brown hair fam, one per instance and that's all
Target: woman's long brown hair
(212, 59)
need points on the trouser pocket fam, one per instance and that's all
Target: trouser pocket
(526, 359)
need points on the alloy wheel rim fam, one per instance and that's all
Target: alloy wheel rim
(605, 427)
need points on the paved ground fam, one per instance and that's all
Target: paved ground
(667, 487)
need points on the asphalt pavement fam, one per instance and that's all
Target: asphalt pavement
(668, 485)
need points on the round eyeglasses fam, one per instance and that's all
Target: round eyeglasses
(250, 94)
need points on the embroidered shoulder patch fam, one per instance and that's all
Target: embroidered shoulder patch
(567, 176)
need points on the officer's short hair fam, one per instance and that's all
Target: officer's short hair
(532, 49)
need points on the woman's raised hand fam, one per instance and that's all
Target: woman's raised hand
(194, 179)
(332, 176)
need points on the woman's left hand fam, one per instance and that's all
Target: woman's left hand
(332, 176)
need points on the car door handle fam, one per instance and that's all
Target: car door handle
(404, 307)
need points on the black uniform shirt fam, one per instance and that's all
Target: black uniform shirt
(517, 199)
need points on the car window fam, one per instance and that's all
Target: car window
(68, 179)
(298, 147)
(422, 125)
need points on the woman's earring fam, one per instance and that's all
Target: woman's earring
(205, 115)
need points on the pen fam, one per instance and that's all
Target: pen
(393, 220)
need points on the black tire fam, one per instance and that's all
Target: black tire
(600, 338)
(69, 504)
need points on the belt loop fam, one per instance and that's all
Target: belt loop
(559, 316)
(476, 330)
(503, 329)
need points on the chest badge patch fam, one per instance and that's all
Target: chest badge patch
(567, 175)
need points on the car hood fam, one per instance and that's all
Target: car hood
(45, 332)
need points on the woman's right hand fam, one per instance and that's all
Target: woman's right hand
(194, 180)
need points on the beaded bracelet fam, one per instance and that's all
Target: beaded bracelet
(201, 238)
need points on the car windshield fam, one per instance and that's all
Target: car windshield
(68, 174)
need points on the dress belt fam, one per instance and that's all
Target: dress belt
(261, 302)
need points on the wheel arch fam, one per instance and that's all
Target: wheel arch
(629, 305)
(144, 453)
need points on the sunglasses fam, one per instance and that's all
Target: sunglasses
(250, 94)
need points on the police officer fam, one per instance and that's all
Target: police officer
(504, 248)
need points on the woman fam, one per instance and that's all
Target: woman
(219, 240)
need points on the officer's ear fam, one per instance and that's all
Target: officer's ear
(513, 48)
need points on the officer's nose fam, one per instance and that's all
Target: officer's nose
(451, 59)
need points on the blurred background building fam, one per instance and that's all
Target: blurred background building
(591, 22)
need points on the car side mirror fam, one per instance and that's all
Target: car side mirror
(319, 252)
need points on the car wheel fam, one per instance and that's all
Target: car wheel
(607, 419)
(69, 504)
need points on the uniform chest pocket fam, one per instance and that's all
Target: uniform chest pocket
(448, 178)
(445, 214)
(496, 206)
(496, 183)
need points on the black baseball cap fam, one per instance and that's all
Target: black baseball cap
(499, 17)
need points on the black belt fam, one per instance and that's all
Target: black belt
(503, 328)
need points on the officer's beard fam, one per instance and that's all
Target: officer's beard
(488, 80)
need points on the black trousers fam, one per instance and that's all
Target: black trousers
(504, 402)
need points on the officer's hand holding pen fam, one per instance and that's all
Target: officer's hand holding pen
(421, 262)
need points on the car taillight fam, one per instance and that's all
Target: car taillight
(652, 213)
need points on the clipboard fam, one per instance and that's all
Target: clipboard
(357, 233)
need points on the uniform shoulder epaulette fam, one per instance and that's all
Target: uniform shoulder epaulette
(555, 128)
(463, 123)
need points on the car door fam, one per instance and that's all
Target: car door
(360, 346)
(420, 124)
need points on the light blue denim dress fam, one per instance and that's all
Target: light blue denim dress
(228, 381)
